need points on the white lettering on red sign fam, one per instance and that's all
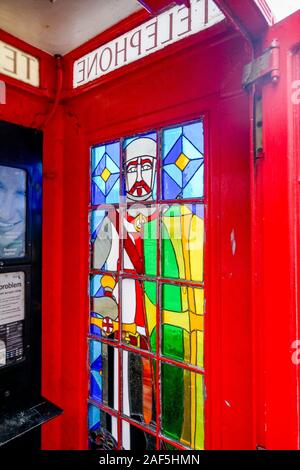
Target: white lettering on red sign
(177, 23)
(18, 64)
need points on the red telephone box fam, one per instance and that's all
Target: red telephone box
(222, 140)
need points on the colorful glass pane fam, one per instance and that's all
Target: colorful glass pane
(104, 239)
(140, 240)
(104, 306)
(182, 394)
(104, 374)
(183, 162)
(182, 327)
(138, 391)
(140, 166)
(182, 240)
(105, 174)
(103, 429)
(135, 439)
(139, 313)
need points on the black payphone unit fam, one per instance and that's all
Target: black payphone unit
(22, 408)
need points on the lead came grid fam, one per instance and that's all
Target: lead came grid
(146, 341)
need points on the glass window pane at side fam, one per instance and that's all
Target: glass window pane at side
(140, 167)
(138, 306)
(103, 429)
(140, 240)
(104, 374)
(182, 241)
(183, 162)
(135, 439)
(138, 392)
(182, 413)
(105, 174)
(104, 297)
(104, 239)
(182, 324)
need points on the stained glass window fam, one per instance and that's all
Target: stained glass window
(105, 173)
(147, 292)
(183, 162)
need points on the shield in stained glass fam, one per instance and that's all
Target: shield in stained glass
(105, 174)
(183, 162)
(104, 321)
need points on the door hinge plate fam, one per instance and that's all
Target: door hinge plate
(264, 66)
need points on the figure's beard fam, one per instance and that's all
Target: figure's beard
(138, 189)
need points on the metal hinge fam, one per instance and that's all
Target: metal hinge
(265, 66)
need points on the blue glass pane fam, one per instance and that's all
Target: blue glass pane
(95, 368)
(140, 167)
(183, 162)
(105, 174)
(103, 429)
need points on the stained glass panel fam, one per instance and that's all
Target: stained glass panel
(140, 240)
(104, 229)
(138, 391)
(105, 174)
(183, 162)
(182, 323)
(136, 439)
(182, 240)
(182, 393)
(139, 313)
(104, 374)
(131, 285)
(140, 166)
(103, 429)
(104, 306)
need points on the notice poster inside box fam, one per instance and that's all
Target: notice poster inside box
(12, 314)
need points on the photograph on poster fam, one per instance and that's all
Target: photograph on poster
(12, 212)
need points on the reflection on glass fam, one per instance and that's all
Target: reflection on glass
(12, 212)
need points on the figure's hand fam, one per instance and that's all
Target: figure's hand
(105, 306)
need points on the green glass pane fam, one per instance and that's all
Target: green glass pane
(172, 344)
(169, 262)
(171, 298)
(150, 247)
(172, 400)
(182, 394)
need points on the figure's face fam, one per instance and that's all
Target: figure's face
(12, 205)
(140, 166)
